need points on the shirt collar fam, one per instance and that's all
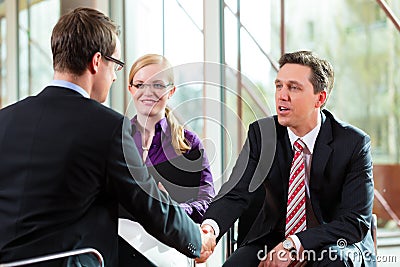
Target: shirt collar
(71, 86)
(161, 124)
(164, 125)
(309, 139)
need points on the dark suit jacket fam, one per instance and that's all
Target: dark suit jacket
(65, 163)
(341, 185)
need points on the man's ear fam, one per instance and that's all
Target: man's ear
(321, 99)
(94, 64)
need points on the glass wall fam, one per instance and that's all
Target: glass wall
(183, 46)
(3, 56)
(355, 35)
(364, 48)
(152, 27)
(35, 24)
(248, 51)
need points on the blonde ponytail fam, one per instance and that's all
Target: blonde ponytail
(179, 142)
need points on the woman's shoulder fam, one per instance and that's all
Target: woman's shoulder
(193, 139)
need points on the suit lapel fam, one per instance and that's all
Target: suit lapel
(321, 153)
(284, 155)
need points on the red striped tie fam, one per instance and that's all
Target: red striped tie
(296, 205)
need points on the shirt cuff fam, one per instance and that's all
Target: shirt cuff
(213, 224)
(296, 242)
(187, 208)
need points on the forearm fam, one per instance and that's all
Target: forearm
(197, 208)
(138, 193)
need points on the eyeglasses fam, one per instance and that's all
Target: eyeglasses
(156, 86)
(118, 63)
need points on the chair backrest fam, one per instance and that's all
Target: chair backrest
(40, 259)
(374, 224)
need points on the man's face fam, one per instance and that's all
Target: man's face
(297, 106)
(106, 76)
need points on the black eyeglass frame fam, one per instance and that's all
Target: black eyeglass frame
(120, 64)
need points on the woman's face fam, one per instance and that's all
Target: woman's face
(151, 89)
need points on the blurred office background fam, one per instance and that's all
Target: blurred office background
(225, 54)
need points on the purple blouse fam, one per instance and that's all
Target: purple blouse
(161, 150)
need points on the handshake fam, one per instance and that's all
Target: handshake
(208, 242)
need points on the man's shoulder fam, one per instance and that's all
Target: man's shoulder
(342, 127)
(269, 124)
(105, 111)
(74, 100)
(58, 100)
(17, 104)
(192, 137)
(269, 120)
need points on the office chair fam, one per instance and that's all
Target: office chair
(97, 255)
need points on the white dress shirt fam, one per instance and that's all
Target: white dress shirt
(309, 139)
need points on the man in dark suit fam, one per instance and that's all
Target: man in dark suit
(330, 226)
(67, 161)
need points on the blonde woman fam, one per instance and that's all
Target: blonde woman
(174, 155)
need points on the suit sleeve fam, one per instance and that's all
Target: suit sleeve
(197, 207)
(247, 175)
(138, 193)
(353, 216)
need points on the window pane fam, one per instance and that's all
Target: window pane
(364, 48)
(184, 48)
(183, 31)
(3, 57)
(143, 29)
(35, 58)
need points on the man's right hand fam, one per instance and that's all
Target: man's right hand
(207, 229)
(208, 240)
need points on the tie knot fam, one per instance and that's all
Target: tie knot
(299, 145)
